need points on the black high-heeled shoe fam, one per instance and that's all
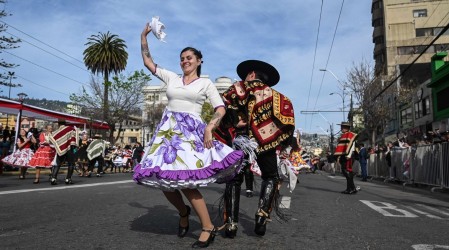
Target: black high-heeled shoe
(204, 244)
(182, 231)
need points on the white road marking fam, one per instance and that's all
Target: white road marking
(63, 187)
(385, 207)
(433, 209)
(424, 213)
(428, 247)
(285, 202)
(336, 177)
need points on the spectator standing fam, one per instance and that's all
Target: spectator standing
(388, 159)
(331, 162)
(363, 158)
(137, 153)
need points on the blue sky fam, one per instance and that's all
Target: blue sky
(283, 33)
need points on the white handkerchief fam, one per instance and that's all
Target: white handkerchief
(157, 27)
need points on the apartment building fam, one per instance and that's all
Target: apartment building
(402, 33)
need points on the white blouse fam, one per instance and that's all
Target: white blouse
(188, 98)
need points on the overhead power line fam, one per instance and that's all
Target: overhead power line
(62, 52)
(40, 85)
(50, 53)
(314, 57)
(330, 52)
(40, 66)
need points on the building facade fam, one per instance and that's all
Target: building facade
(404, 37)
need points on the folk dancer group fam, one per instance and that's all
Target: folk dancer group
(183, 155)
(56, 148)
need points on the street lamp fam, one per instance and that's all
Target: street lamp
(19, 117)
(343, 99)
(11, 76)
(343, 90)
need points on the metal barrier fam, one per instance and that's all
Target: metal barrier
(426, 164)
(445, 165)
(377, 166)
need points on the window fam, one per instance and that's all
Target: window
(420, 13)
(410, 50)
(424, 32)
(422, 108)
(441, 47)
(426, 103)
(442, 100)
(406, 116)
(418, 110)
(406, 50)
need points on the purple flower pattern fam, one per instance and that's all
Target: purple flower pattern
(184, 123)
(169, 149)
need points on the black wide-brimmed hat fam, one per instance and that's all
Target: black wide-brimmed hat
(249, 65)
(345, 124)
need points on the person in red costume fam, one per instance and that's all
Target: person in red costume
(344, 152)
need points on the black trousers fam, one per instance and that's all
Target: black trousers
(100, 161)
(349, 175)
(268, 164)
(60, 159)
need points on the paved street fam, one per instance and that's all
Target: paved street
(112, 212)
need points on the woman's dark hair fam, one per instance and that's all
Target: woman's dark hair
(198, 54)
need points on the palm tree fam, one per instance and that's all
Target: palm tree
(105, 54)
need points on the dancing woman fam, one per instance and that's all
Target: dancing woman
(182, 154)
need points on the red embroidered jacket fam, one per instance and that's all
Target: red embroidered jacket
(345, 143)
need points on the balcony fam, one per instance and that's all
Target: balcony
(378, 31)
(377, 13)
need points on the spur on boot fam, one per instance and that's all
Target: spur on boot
(68, 181)
(261, 224)
(182, 231)
(204, 244)
(231, 230)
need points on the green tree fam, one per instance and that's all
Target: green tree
(105, 54)
(6, 43)
(126, 98)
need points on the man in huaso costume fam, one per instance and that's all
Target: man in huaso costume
(267, 118)
(65, 140)
(344, 152)
(95, 154)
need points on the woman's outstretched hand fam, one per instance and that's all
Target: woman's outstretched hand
(146, 30)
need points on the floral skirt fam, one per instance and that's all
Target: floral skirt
(20, 158)
(176, 157)
(43, 157)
